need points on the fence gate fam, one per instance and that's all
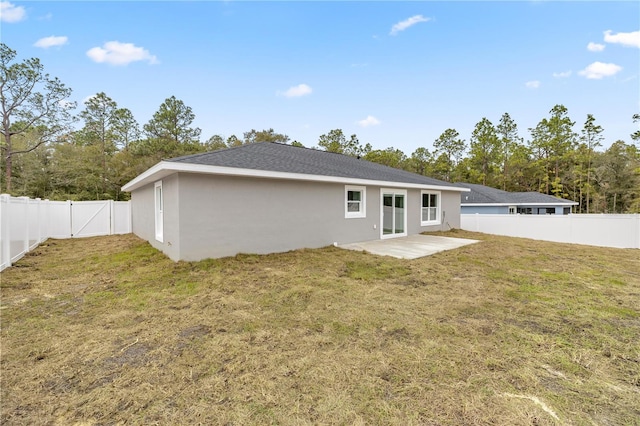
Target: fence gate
(90, 218)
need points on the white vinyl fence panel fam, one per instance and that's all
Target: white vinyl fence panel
(19, 240)
(604, 230)
(33, 227)
(121, 217)
(59, 219)
(25, 223)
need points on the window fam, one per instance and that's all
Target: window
(525, 210)
(355, 201)
(512, 209)
(430, 208)
(158, 203)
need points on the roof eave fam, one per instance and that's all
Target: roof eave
(166, 168)
(560, 203)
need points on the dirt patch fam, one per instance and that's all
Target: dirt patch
(195, 332)
(191, 334)
(134, 354)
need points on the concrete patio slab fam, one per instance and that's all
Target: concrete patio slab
(411, 247)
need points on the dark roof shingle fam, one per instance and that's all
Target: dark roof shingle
(481, 194)
(278, 157)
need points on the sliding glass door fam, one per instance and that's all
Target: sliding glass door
(393, 213)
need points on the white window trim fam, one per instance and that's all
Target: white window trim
(512, 210)
(363, 202)
(438, 220)
(158, 214)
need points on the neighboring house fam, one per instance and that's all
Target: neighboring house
(269, 197)
(483, 199)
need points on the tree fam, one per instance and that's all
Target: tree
(270, 135)
(389, 157)
(635, 136)
(335, 141)
(30, 173)
(233, 141)
(108, 129)
(552, 140)
(449, 150)
(618, 177)
(577, 175)
(485, 152)
(215, 143)
(30, 99)
(507, 131)
(522, 177)
(421, 161)
(592, 138)
(125, 128)
(76, 172)
(169, 131)
(99, 119)
(123, 167)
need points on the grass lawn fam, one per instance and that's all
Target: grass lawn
(507, 331)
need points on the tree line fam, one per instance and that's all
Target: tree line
(48, 152)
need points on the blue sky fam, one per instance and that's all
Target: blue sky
(394, 73)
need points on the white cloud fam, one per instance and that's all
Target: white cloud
(296, 91)
(11, 13)
(563, 74)
(66, 104)
(403, 25)
(116, 53)
(595, 47)
(51, 41)
(598, 70)
(631, 39)
(88, 98)
(369, 121)
(534, 84)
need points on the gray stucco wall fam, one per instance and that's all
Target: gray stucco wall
(222, 216)
(216, 216)
(143, 216)
(142, 222)
(451, 207)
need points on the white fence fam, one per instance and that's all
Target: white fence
(25, 223)
(605, 230)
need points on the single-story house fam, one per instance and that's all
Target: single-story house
(487, 200)
(269, 197)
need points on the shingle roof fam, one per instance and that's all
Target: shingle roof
(278, 157)
(481, 194)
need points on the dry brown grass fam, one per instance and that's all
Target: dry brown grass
(508, 331)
